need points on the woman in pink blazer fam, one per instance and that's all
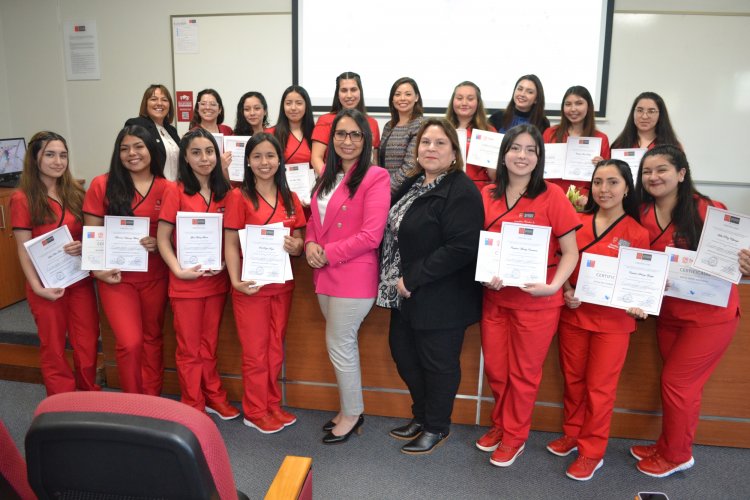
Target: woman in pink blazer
(349, 208)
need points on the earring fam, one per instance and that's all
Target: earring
(626, 194)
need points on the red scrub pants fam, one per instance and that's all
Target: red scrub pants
(135, 311)
(196, 325)
(261, 327)
(591, 363)
(75, 313)
(514, 345)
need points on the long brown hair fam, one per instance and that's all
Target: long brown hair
(68, 190)
(479, 120)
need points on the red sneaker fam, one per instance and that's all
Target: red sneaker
(583, 468)
(224, 410)
(658, 466)
(504, 456)
(265, 424)
(563, 446)
(490, 440)
(282, 416)
(642, 451)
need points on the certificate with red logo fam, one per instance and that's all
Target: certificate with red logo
(596, 279)
(641, 278)
(199, 237)
(724, 235)
(578, 157)
(55, 268)
(264, 258)
(122, 243)
(523, 254)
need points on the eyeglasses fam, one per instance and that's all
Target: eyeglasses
(208, 104)
(355, 135)
(647, 112)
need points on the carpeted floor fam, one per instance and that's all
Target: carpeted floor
(371, 466)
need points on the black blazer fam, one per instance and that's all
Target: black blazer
(438, 240)
(149, 125)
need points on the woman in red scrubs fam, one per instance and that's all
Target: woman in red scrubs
(49, 197)
(197, 296)
(593, 338)
(134, 302)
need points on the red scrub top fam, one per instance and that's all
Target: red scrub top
(551, 208)
(241, 212)
(143, 205)
(176, 200)
(20, 217)
(295, 151)
(624, 232)
(683, 312)
(584, 187)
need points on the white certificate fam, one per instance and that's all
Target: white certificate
(288, 275)
(199, 240)
(265, 258)
(596, 279)
(122, 243)
(724, 235)
(298, 177)
(484, 148)
(523, 254)
(488, 256)
(219, 141)
(631, 156)
(462, 142)
(92, 251)
(236, 144)
(554, 160)
(641, 276)
(688, 283)
(56, 269)
(581, 150)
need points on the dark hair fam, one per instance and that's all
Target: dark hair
(479, 120)
(147, 95)
(589, 126)
(348, 75)
(242, 126)
(416, 112)
(450, 131)
(68, 189)
(248, 184)
(282, 128)
(628, 138)
(327, 180)
(629, 203)
(686, 218)
(196, 121)
(120, 187)
(536, 184)
(536, 117)
(216, 181)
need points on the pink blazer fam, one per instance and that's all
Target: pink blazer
(351, 235)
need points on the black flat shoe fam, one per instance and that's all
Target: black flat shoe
(332, 438)
(424, 443)
(328, 426)
(408, 431)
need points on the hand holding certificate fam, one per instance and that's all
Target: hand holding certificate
(92, 251)
(485, 148)
(688, 283)
(488, 256)
(724, 235)
(236, 145)
(199, 240)
(641, 277)
(300, 181)
(264, 259)
(596, 279)
(523, 254)
(55, 268)
(122, 243)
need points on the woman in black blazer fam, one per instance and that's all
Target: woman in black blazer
(156, 115)
(428, 264)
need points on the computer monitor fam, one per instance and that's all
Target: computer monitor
(12, 153)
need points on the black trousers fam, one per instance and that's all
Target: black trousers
(429, 363)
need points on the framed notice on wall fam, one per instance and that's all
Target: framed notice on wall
(81, 46)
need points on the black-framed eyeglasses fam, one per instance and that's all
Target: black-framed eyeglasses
(354, 135)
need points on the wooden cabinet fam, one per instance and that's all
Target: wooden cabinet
(12, 280)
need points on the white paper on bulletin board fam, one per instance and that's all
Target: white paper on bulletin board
(185, 35)
(81, 46)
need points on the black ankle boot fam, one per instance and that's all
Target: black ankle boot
(408, 431)
(424, 443)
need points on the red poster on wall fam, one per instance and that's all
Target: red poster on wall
(184, 105)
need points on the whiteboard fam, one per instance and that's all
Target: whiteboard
(237, 53)
(700, 65)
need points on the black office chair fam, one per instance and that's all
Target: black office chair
(110, 445)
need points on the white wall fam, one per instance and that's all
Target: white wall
(135, 51)
(5, 128)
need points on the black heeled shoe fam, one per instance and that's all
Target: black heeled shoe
(332, 438)
(328, 426)
(408, 431)
(425, 443)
